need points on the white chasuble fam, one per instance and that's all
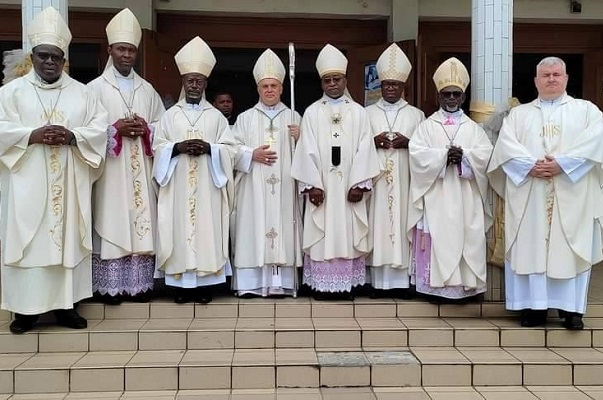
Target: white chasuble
(390, 258)
(125, 197)
(335, 153)
(46, 229)
(195, 195)
(263, 243)
(451, 203)
(552, 226)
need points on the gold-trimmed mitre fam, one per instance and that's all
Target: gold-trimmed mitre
(269, 65)
(49, 27)
(331, 61)
(195, 56)
(451, 72)
(393, 64)
(124, 28)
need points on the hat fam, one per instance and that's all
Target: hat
(195, 56)
(124, 28)
(269, 65)
(451, 72)
(393, 64)
(331, 61)
(48, 27)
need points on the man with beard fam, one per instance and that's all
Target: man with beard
(393, 121)
(195, 175)
(547, 165)
(52, 146)
(448, 212)
(335, 162)
(264, 258)
(125, 200)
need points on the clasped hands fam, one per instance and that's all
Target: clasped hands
(383, 141)
(193, 147)
(317, 196)
(545, 169)
(52, 135)
(131, 127)
(455, 155)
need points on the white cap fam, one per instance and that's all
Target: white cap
(195, 56)
(124, 28)
(330, 61)
(452, 72)
(393, 64)
(269, 65)
(48, 27)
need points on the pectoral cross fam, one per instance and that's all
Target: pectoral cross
(130, 114)
(272, 235)
(273, 180)
(271, 139)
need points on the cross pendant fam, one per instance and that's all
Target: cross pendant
(271, 140)
(193, 133)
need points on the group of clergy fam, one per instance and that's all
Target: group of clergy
(103, 190)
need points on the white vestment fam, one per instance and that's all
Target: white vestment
(46, 229)
(194, 195)
(552, 226)
(264, 196)
(335, 153)
(451, 200)
(390, 258)
(125, 198)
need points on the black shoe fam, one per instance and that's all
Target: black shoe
(562, 314)
(143, 297)
(182, 296)
(403, 294)
(70, 319)
(320, 296)
(532, 318)
(111, 300)
(23, 323)
(248, 296)
(573, 321)
(204, 296)
(375, 294)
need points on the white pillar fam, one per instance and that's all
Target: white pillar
(404, 20)
(30, 8)
(491, 51)
(144, 11)
(491, 83)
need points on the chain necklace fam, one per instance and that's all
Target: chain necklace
(48, 116)
(193, 131)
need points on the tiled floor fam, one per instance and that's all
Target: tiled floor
(390, 393)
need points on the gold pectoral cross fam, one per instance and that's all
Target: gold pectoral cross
(53, 117)
(130, 115)
(271, 129)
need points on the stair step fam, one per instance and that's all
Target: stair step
(389, 393)
(298, 368)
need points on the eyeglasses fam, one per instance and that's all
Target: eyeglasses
(448, 95)
(47, 56)
(335, 79)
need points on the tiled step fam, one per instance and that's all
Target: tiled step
(295, 368)
(311, 333)
(394, 393)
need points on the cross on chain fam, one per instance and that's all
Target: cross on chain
(194, 133)
(273, 180)
(271, 129)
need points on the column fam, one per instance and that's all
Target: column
(404, 20)
(491, 84)
(144, 11)
(30, 8)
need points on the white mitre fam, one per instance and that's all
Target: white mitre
(195, 56)
(330, 61)
(267, 66)
(452, 72)
(124, 28)
(48, 27)
(393, 65)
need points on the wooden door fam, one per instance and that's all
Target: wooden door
(158, 65)
(359, 57)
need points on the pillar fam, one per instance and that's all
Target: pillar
(30, 8)
(491, 83)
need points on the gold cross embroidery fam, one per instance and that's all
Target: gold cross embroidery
(273, 180)
(271, 235)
